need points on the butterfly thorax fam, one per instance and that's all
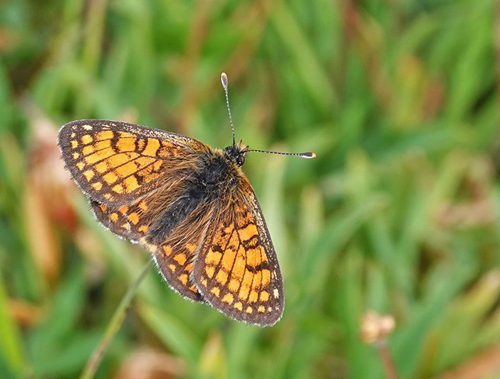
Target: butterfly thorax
(216, 177)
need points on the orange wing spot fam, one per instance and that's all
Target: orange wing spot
(126, 169)
(76, 155)
(233, 285)
(213, 257)
(97, 186)
(131, 184)
(102, 145)
(270, 309)
(172, 267)
(98, 156)
(249, 310)
(107, 196)
(248, 232)
(228, 261)
(239, 265)
(152, 147)
(143, 162)
(86, 139)
(254, 296)
(210, 271)
(253, 257)
(89, 174)
(125, 144)
(107, 134)
(193, 289)
(123, 210)
(113, 217)
(102, 167)
(189, 267)
(89, 149)
(125, 226)
(110, 177)
(157, 165)
(204, 282)
(238, 305)
(228, 298)
(180, 258)
(143, 206)
(264, 296)
(133, 218)
(117, 160)
(167, 250)
(80, 165)
(221, 277)
(215, 291)
(118, 189)
(276, 293)
(103, 207)
(183, 279)
(245, 285)
(261, 309)
(73, 135)
(190, 247)
(143, 228)
(266, 277)
(126, 135)
(74, 144)
(257, 280)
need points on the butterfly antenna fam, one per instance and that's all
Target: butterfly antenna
(224, 81)
(308, 155)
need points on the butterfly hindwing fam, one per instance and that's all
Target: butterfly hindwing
(237, 270)
(177, 254)
(130, 222)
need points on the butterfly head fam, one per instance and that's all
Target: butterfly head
(236, 153)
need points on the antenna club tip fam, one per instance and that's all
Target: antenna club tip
(223, 79)
(310, 155)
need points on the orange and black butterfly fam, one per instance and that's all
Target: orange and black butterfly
(189, 204)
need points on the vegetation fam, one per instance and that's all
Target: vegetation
(398, 214)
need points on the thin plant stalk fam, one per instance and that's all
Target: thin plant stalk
(113, 326)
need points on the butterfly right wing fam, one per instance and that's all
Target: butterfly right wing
(237, 270)
(117, 163)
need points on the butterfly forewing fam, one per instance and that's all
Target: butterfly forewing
(116, 163)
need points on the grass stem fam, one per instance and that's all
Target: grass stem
(114, 325)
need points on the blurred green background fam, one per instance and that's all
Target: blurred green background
(398, 214)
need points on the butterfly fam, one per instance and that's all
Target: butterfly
(189, 204)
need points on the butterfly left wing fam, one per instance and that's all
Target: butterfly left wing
(237, 270)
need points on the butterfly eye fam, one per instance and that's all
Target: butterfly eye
(240, 160)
